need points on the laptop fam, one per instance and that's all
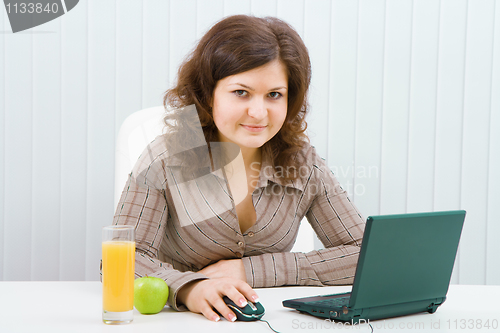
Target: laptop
(404, 267)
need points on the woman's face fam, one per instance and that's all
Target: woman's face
(249, 108)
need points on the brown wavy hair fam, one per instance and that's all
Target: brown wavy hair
(234, 45)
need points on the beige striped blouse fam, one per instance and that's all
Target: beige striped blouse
(182, 227)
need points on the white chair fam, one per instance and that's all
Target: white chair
(137, 131)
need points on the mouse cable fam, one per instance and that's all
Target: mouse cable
(269, 325)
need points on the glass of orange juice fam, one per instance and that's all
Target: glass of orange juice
(118, 264)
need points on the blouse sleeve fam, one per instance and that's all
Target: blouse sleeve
(143, 204)
(339, 226)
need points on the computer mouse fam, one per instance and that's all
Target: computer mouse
(251, 312)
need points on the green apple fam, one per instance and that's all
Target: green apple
(150, 294)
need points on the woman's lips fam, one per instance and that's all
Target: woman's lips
(253, 128)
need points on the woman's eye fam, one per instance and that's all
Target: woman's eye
(275, 95)
(240, 93)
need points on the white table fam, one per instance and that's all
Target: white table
(72, 307)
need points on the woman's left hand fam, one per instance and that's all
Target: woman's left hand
(231, 268)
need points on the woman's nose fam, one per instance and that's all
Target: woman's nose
(257, 109)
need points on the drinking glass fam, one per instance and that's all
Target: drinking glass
(118, 264)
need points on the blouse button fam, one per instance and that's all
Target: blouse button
(240, 244)
(250, 234)
(239, 255)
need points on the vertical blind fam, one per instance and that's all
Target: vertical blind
(404, 106)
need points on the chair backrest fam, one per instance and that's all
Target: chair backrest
(137, 131)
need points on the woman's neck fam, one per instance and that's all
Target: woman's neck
(251, 156)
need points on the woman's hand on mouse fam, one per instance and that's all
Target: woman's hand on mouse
(205, 295)
(231, 268)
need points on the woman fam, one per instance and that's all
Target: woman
(225, 232)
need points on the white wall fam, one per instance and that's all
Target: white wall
(405, 106)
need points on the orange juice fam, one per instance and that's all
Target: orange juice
(118, 264)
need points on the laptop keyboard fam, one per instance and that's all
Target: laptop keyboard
(332, 302)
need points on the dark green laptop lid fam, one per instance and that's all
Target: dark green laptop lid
(405, 258)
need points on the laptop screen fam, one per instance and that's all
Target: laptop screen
(406, 257)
